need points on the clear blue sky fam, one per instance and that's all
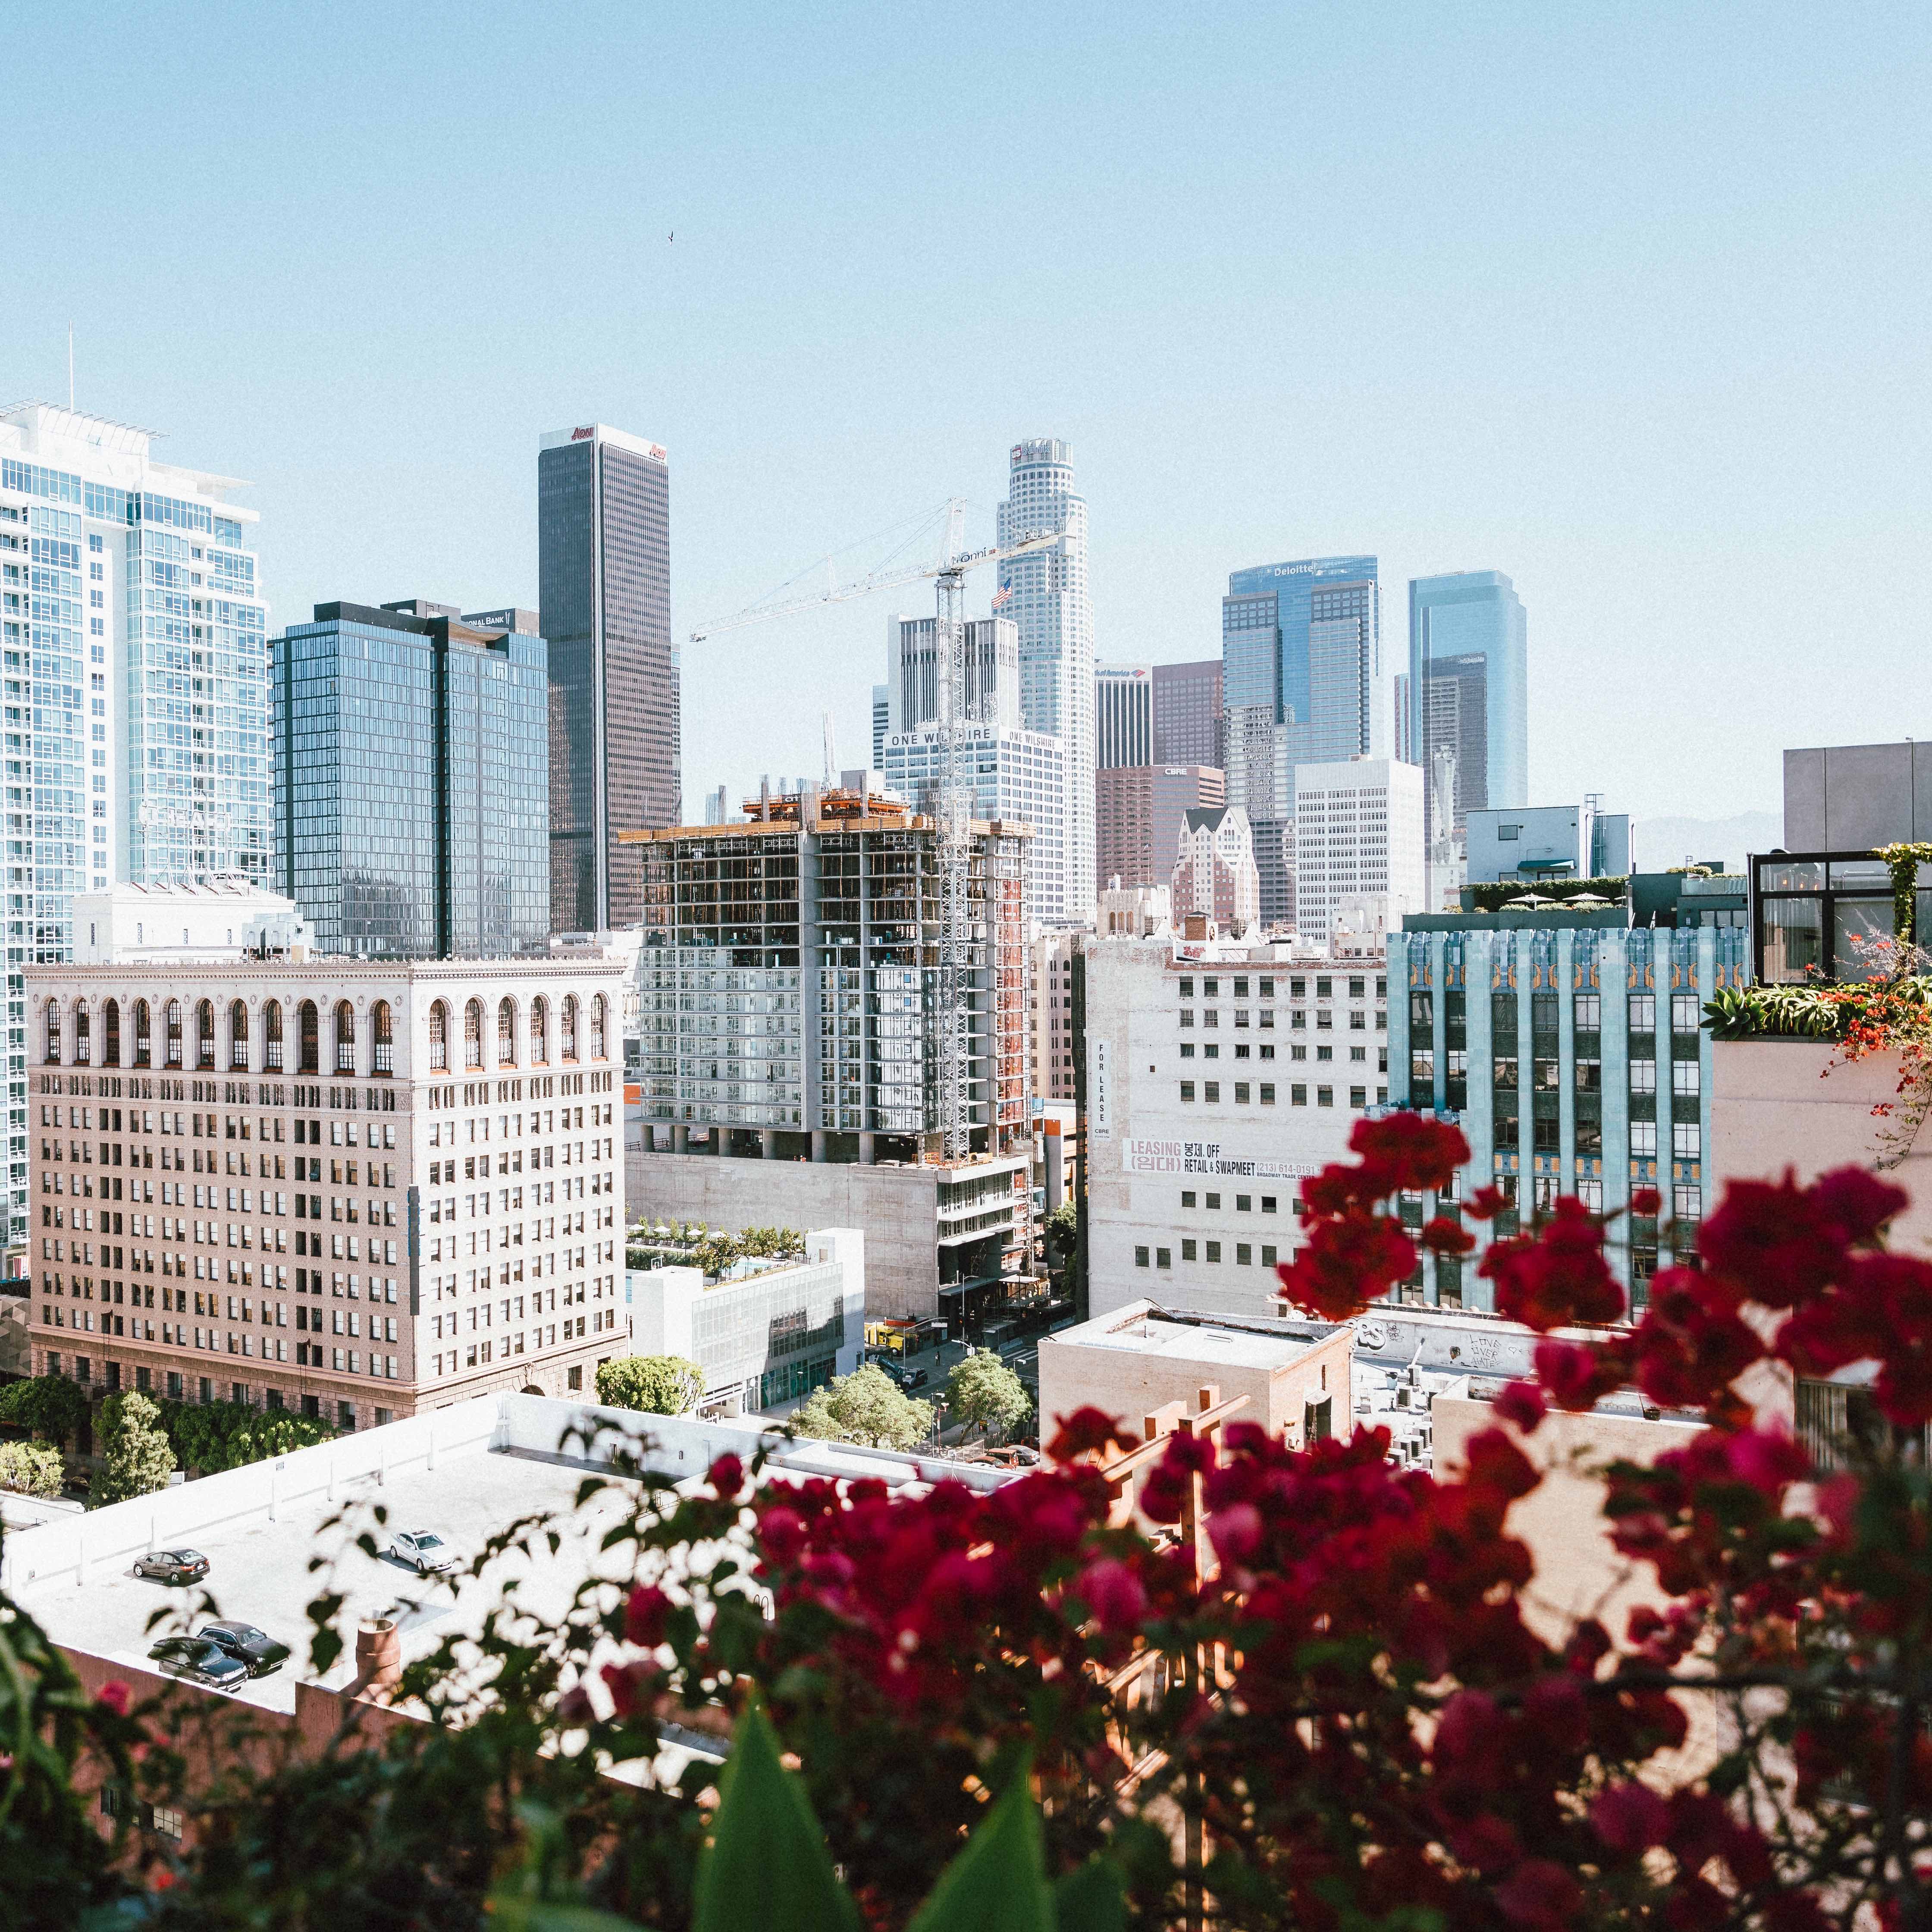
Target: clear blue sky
(1629, 302)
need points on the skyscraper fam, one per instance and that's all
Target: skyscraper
(1050, 604)
(133, 631)
(1123, 715)
(1139, 813)
(412, 780)
(882, 723)
(1468, 704)
(1187, 723)
(1301, 684)
(604, 595)
(992, 693)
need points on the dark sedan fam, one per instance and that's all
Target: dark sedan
(256, 1652)
(173, 1566)
(199, 1662)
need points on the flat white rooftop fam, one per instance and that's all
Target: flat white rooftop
(1143, 1329)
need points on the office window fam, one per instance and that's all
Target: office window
(1688, 1203)
(1244, 1254)
(1687, 1012)
(1140, 1257)
(1187, 1090)
(1642, 1012)
(1268, 1203)
(1268, 1093)
(1244, 1203)
(1686, 1140)
(1213, 1090)
(1683, 1076)
(1163, 1258)
(1509, 831)
(1589, 1012)
(1187, 987)
(1643, 1140)
(1210, 989)
(1187, 1197)
(1213, 1203)
(1324, 1096)
(1187, 1049)
(1214, 1251)
(1297, 1095)
(1643, 1076)
(1241, 1092)
(1268, 1257)
(1190, 1251)
(1358, 1097)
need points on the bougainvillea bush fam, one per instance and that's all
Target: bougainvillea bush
(1005, 1708)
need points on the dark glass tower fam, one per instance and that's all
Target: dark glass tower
(412, 780)
(603, 592)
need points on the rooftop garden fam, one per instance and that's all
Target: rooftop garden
(652, 1244)
(1497, 895)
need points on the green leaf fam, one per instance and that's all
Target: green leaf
(998, 1883)
(1091, 1897)
(766, 1865)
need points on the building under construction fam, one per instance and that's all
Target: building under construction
(789, 983)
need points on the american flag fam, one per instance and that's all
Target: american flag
(1002, 596)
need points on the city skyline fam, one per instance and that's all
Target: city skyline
(1531, 341)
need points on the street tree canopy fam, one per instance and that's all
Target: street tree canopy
(866, 1407)
(983, 1390)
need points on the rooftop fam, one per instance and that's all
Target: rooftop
(1145, 1328)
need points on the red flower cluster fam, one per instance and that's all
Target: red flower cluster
(1353, 1254)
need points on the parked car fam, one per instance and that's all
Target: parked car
(199, 1662)
(256, 1651)
(423, 1551)
(906, 1378)
(173, 1566)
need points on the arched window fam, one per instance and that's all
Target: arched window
(271, 1036)
(597, 1027)
(439, 1038)
(83, 1037)
(238, 1037)
(506, 1033)
(570, 1026)
(308, 1023)
(53, 1032)
(204, 1035)
(174, 1033)
(540, 1031)
(110, 1034)
(345, 1037)
(472, 1034)
(142, 1050)
(385, 1039)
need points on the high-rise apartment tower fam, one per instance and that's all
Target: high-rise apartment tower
(135, 664)
(604, 594)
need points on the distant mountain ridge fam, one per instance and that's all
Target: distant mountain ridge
(1662, 842)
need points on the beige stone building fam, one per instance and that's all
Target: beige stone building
(1137, 1360)
(354, 1189)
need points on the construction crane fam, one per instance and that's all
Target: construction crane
(956, 784)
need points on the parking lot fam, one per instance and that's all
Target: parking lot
(259, 1574)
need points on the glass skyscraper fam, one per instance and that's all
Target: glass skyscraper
(604, 597)
(1468, 700)
(133, 631)
(1301, 681)
(412, 780)
(1050, 604)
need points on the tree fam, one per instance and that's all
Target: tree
(866, 1407)
(211, 1436)
(33, 1468)
(716, 1254)
(982, 1389)
(52, 1407)
(657, 1385)
(135, 1458)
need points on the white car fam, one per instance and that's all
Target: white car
(423, 1551)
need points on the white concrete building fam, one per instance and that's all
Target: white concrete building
(216, 919)
(1132, 912)
(766, 1335)
(1219, 1075)
(1017, 775)
(459, 1234)
(1357, 840)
